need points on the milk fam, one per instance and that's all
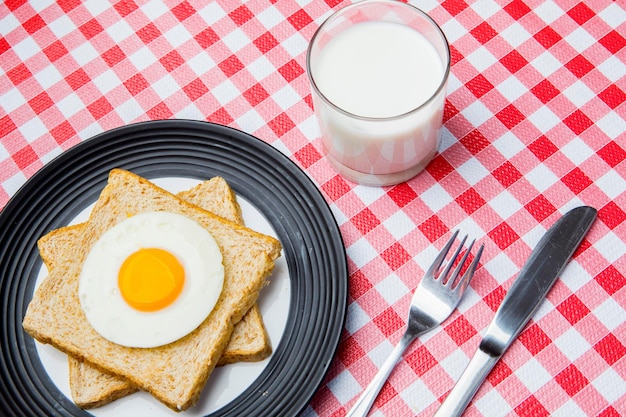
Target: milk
(378, 94)
(378, 69)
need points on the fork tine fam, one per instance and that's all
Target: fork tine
(469, 273)
(440, 257)
(446, 271)
(457, 270)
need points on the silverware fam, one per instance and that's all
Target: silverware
(534, 281)
(433, 301)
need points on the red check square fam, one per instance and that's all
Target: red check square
(573, 309)
(63, 132)
(33, 24)
(611, 280)
(421, 360)
(55, 50)
(183, 11)
(91, 28)
(571, 380)
(77, 79)
(25, 157)
(581, 13)
(388, 322)
(148, 33)
(241, 15)
(307, 155)
(534, 338)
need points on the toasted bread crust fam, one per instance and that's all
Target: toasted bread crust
(175, 373)
(91, 388)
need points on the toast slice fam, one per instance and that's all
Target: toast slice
(176, 373)
(91, 388)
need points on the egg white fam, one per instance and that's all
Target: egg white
(100, 297)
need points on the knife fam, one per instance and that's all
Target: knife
(532, 284)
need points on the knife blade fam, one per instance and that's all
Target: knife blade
(531, 286)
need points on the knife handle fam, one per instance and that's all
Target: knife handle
(472, 377)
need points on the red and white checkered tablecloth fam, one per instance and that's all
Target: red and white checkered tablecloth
(535, 124)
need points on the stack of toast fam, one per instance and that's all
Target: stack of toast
(175, 374)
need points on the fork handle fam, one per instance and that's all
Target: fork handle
(367, 398)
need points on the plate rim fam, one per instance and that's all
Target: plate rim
(60, 217)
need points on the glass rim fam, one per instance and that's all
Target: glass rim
(359, 4)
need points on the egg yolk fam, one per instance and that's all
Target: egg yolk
(151, 279)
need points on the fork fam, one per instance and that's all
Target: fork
(435, 298)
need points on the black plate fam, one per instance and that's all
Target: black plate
(312, 246)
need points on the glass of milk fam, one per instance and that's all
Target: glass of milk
(378, 71)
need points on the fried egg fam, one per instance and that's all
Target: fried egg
(151, 279)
